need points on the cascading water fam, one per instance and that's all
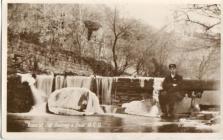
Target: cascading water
(157, 86)
(44, 83)
(78, 81)
(104, 85)
(145, 107)
(142, 80)
(39, 96)
(59, 82)
(104, 89)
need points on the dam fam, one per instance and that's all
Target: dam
(123, 101)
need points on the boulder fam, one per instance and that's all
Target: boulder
(68, 101)
(19, 95)
(147, 107)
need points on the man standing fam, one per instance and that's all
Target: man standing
(171, 92)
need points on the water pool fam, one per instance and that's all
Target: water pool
(26, 122)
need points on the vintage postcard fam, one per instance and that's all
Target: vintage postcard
(111, 69)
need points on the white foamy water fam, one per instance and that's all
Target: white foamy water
(39, 97)
(59, 82)
(142, 80)
(38, 109)
(104, 89)
(157, 86)
(79, 81)
(66, 101)
(104, 85)
(144, 108)
(44, 83)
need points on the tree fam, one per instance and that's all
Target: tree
(206, 16)
(211, 11)
(152, 57)
(208, 64)
(119, 27)
(203, 44)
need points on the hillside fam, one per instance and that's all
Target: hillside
(29, 57)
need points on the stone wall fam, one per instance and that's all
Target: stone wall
(127, 90)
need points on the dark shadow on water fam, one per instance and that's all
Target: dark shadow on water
(174, 128)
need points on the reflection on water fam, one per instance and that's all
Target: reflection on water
(106, 123)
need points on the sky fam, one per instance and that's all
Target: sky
(157, 15)
(152, 14)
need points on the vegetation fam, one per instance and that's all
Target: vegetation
(102, 38)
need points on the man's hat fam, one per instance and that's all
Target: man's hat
(172, 66)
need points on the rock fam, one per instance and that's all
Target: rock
(145, 107)
(19, 95)
(39, 96)
(27, 78)
(109, 108)
(68, 101)
(183, 106)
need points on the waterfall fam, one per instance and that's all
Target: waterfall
(42, 87)
(59, 82)
(157, 86)
(41, 92)
(39, 95)
(98, 87)
(44, 83)
(79, 81)
(103, 85)
(104, 89)
(142, 80)
(146, 107)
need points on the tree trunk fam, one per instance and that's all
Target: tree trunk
(114, 55)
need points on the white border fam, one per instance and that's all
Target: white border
(118, 1)
(108, 136)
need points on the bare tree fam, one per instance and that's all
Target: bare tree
(208, 18)
(194, 13)
(118, 27)
(207, 64)
(212, 12)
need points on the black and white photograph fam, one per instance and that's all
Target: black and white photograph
(112, 68)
